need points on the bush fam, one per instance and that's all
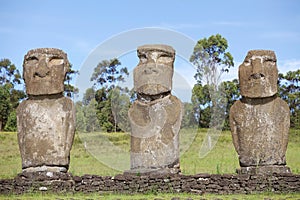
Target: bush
(11, 124)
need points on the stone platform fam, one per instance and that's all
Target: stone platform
(267, 170)
(130, 184)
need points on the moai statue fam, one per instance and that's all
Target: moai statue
(260, 120)
(155, 116)
(46, 120)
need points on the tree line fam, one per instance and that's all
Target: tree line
(104, 106)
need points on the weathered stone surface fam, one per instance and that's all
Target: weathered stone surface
(155, 117)
(260, 130)
(46, 131)
(154, 133)
(46, 120)
(266, 169)
(44, 71)
(260, 120)
(258, 74)
(154, 73)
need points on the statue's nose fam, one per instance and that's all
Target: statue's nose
(42, 69)
(151, 69)
(257, 70)
(256, 66)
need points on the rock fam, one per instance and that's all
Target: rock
(154, 73)
(260, 130)
(260, 120)
(267, 169)
(258, 74)
(43, 188)
(155, 117)
(46, 120)
(46, 131)
(44, 71)
(155, 139)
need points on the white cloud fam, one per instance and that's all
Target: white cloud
(288, 65)
(283, 67)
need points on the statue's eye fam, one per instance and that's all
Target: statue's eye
(247, 62)
(32, 60)
(269, 61)
(56, 61)
(165, 58)
(143, 58)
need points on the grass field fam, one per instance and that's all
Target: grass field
(96, 196)
(222, 159)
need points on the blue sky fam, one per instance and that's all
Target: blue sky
(79, 27)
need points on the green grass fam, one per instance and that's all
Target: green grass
(222, 159)
(292, 155)
(10, 159)
(158, 196)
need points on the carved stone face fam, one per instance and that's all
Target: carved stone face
(154, 73)
(44, 71)
(258, 74)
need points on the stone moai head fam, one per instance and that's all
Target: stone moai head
(258, 74)
(153, 75)
(44, 71)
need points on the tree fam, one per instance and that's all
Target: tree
(16, 96)
(289, 90)
(107, 75)
(69, 89)
(201, 101)
(92, 122)
(89, 94)
(120, 103)
(104, 112)
(80, 117)
(9, 96)
(9, 74)
(188, 118)
(201, 104)
(5, 106)
(209, 55)
(232, 92)
(211, 60)
(11, 124)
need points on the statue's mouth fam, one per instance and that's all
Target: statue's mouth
(41, 75)
(257, 76)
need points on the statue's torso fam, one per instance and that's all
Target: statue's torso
(46, 131)
(155, 133)
(260, 131)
